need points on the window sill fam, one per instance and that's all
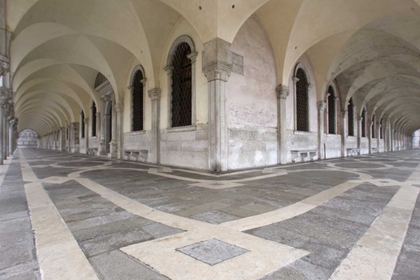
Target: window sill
(182, 129)
(296, 132)
(140, 132)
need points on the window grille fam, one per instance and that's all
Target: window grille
(302, 87)
(93, 119)
(350, 117)
(331, 111)
(83, 124)
(364, 123)
(181, 86)
(137, 98)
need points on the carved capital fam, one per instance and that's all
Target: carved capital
(282, 91)
(217, 71)
(321, 106)
(154, 94)
(193, 57)
(106, 92)
(5, 97)
(295, 80)
(168, 69)
(4, 67)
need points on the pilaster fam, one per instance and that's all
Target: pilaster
(321, 128)
(217, 67)
(282, 94)
(154, 95)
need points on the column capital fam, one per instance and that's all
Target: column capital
(168, 69)
(4, 67)
(282, 92)
(5, 96)
(154, 94)
(321, 105)
(193, 56)
(295, 80)
(218, 71)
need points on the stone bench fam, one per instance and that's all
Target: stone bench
(374, 150)
(304, 155)
(352, 152)
(92, 151)
(138, 155)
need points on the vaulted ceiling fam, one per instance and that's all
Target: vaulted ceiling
(370, 47)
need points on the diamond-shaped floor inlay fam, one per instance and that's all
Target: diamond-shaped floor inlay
(212, 251)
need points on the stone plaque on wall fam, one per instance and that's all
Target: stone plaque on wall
(238, 64)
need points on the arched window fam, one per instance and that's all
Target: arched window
(373, 126)
(181, 86)
(83, 123)
(93, 113)
(302, 86)
(364, 123)
(331, 111)
(137, 101)
(350, 117)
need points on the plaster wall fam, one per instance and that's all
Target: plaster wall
(300, 141)
(364, 146)
(251, 100)
(332, 145)
(186, 148)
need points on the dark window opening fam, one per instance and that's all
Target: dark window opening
(331, 111)
(350, 117)
(137, 97)
(302, 86)
(93, 119)
(83, 124)
(181, 86)
(373, 127)
(364, 123)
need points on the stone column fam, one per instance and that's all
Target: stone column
(378, 136)
(11, 127)
(359, 134)
(5, 96)
(74, 139)
(344, 132)
(282, 94)
(62, 139)
(370, 124)
(86, 133)
(321, 128)
(98, 130)
(114, 138)
(102, 140)
(154, 95)
(217, 66)
(119, 107)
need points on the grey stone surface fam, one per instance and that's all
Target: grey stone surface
(214, 217)
(212, 251)
(158, 230)
(119, 266)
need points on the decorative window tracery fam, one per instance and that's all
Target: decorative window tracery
(350, 117)
(302, 86)
(331, 111)
(137, 101)
(181, 103)
(93, 119)
(364, 123)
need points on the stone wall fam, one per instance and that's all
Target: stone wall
(82, 146)
(185, 148)
(296, 140)
(251, 100)
(139, 140)
(93, 142)
(364, 146)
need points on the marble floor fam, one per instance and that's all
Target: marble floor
(70, 216)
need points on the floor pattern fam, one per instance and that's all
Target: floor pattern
(67, 216)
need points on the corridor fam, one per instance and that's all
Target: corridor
(72, 216)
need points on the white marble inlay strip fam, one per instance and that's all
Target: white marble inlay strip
(264, 256)
(59, 255)
(290, 211)
(376, 253)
